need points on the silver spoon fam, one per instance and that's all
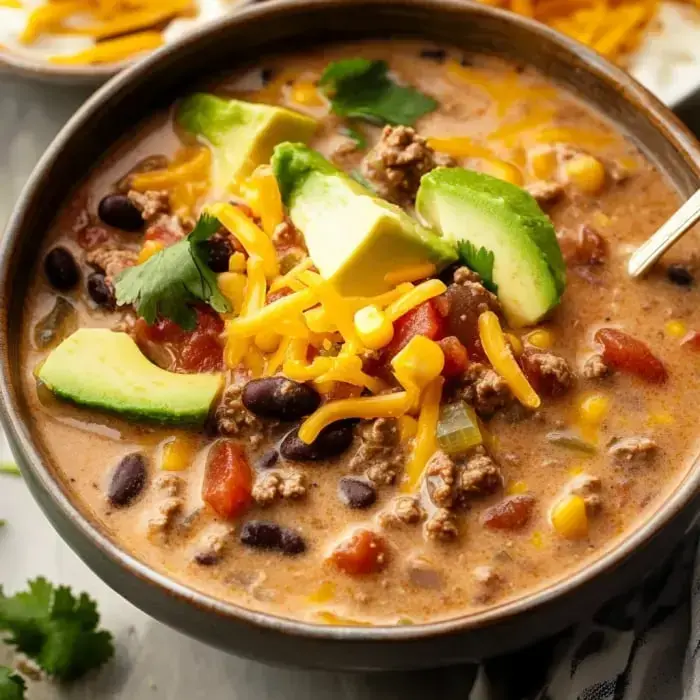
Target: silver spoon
(648, 253)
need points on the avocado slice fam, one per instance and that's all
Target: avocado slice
(529, 269)
(241, 134)
(353, 237)
(100, 368)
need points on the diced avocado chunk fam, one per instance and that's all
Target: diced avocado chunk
(102, 369)
(242, 134)
(529, 269)
(354, 238)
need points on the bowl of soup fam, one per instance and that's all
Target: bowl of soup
(324, 351)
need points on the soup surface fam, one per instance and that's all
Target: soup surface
(485, 431)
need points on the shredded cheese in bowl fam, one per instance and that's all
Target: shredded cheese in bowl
(97, 32)
(614, 28)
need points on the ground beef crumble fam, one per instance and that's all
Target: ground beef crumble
(380, 454)
(454, 481)
(633, 450)
(442, 526)
(589, 488)
(151, 203)
(162, 521)
(212, 545)
(484, 389)
(396, 164)
(111, 260)
(234, 419)
(404, 510)
(550, 373)
(274, 485)
(545, 191)
(595, 368)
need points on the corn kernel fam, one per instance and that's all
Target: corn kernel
(541, 338)
(504, 171)
(543, 162)
(537, 540)
(586, 173)
(593, 409)
(237, 263)
(149, 249)
(324, 593)
(675, 328)
(373, 327)
(178, 453)
(516, 345)
(601, 220)
(268, 341)
(232, 286)
(569, 517)
(421, 361)
(516, 487)
(408, 427)
(306, 94)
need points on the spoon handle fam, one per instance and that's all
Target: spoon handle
(648, 253)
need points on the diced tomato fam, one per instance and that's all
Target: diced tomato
(365, 552)
(178, 350)
(161, 232)
(627, 354)
(691, 340)
(512, 513)
(228, 480)
(456, 357)
(423, 320)
(587, 248)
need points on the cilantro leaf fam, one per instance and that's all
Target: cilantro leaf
(10, 468)
(480, 261)
(360, 88)
(170, 281)
(55, 629)
(12, 686)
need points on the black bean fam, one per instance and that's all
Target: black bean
(280, 398)
(268, 459)
(356, 493)
(680, 275)
(119, 211)
(128, 480)
(332, 441)
(206, 558)
(61, 269)
(437, 55)
(100, 291)
(266, 75)
(219, 251)
(266, 535)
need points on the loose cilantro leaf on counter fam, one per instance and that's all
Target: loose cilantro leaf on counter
(480, 261)
(55, 629)
(360, 88)
(169, 282)
(12, 686)
(10, 468)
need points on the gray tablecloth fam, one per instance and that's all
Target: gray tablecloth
(641, 646)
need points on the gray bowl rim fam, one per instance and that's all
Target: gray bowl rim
(52, 491)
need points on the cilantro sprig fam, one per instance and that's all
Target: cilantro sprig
(360, 88)
(172, 280)
(12, 686)
(480, 261)
(10, 468)
(56, 629)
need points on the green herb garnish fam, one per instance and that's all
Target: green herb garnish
(10, 468)
(360, 88)
(480, 261)
(55, 629)
(355, 134)
(169, 282)
(12, 686)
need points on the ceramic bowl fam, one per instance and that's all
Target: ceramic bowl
(153, 83)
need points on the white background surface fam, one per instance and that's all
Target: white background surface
(153, 661)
